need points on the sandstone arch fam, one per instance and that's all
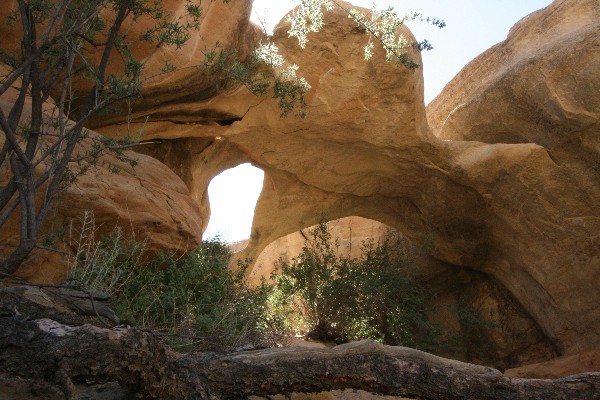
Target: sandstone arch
(524, 212)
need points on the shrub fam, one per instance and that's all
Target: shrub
(199, 303)
(195, 300)
(337, 298)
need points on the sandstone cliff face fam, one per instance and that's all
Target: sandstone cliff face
(504, 183)
(507, 186)
(149, 201)
(541, 85)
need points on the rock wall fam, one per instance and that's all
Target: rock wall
(149, 201)
(538, 86)
(500, 173)
(509, 189)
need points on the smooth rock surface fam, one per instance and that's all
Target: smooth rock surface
(513, 194)
(149, 201)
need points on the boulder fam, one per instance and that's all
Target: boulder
(149, 201)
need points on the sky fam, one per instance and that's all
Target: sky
(473, 26)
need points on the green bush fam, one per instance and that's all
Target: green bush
(338, 298)
(195, 300)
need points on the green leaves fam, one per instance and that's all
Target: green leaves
(383, 26)
(195, 299)
(338, 298)
(168, 29)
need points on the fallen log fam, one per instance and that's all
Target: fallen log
(373, 368)
(67, 357)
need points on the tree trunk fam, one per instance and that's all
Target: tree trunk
(53, 347)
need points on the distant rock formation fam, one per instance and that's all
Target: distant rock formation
(348, 234)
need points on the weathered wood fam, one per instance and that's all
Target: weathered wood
(64, 356)
(374, 368)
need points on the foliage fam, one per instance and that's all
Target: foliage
(338, 298)
(196, 300)
(65, 43)
(475, 331)
(381, 26)
(199, 303)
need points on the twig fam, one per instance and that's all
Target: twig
(96, 311)
(52, 250)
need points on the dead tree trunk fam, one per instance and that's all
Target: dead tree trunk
(373, 368)
(35, 345)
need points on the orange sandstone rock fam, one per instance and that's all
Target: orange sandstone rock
(506, 186)
(501, 172)
(149, 201)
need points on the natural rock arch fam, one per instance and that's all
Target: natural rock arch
(513, 211)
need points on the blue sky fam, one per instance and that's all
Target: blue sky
(472, 27)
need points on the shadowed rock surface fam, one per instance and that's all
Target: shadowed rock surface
(148, 200)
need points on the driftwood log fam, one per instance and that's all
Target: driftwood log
(47, 347)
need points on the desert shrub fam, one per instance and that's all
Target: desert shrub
(195, 300)
(338, 298)
(198, 302)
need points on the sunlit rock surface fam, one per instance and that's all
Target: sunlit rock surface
(523, 212)
(500, 174)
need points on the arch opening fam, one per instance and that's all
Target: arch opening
(347, 232)
(467, 305)
(232, 196)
